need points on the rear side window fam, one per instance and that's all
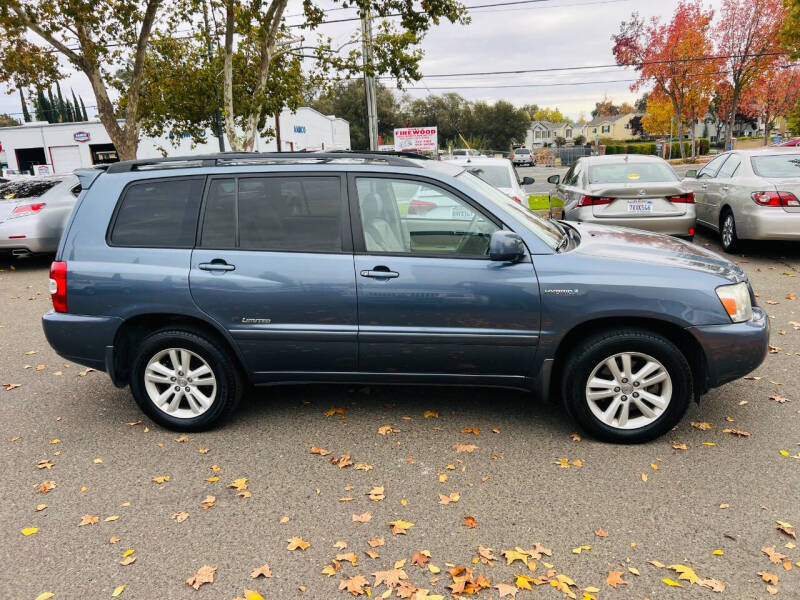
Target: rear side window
(159, 214)
(26, 189)
(281, 214)
(786, 165)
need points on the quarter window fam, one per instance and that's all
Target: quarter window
(418, 218)
(159, 214)
(711, 169)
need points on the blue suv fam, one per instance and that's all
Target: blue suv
(189, 279)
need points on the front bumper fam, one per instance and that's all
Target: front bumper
(81, 338)
(733, 350)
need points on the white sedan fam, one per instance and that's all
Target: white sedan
(500, 173)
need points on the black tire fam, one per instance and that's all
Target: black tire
(595, 349)
(225, 371)
(729, 244)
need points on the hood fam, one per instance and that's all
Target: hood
(622, 243)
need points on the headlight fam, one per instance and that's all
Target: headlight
(736, 300)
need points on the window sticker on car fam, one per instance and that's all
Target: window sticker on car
(633, 176)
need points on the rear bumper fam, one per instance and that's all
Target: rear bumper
(678, 225)
(80, 338)
(768, 223)
(733, 350)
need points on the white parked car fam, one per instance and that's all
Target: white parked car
(462, 154)
(500, 173)
(523, 156)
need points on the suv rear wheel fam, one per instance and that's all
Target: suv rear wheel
(627, 386)
(184, 380)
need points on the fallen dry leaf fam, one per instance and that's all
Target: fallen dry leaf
(736, 432)
(390, 578)
(205, 574)
(702, 425)
(387, 429)
(601, 533)
(420, 559)
(614, 579)
(320, 451)
(354, 585)
(470, 522)
(46, 486)
(117, 591)
(180, 516)
(238, 484)
(160, 478)
(375, 542)
(779, 399)
(768, 577)
(678, 445)
(506, 589)
(362, 518)
(376, 494)
(786, 528)
(88, 520)
(464, 447)
(208, 502)
(297, 542)
(400, 527)
(453, 497)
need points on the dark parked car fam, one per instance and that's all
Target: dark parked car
(187, 279)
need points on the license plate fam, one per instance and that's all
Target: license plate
(460, 213)
(640, 206)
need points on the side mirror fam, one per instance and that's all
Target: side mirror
(527, 181)
(506, 246)
(691, 174)
(554, 179)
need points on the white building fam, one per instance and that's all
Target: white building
(63, 147)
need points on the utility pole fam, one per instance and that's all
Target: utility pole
(218, 131)
(369, 80)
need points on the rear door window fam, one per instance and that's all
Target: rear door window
(730, 168)
(281, 214)
(712, 168)
(159, 214)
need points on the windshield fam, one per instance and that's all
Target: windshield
(26, 189)
(543, 229)
(631, 172)
(777, 165)
(496, 175)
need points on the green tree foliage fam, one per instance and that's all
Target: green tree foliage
(346, 99)
(25, 114)
(34, 34)
(8, 121)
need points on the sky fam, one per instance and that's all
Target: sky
(540, 35)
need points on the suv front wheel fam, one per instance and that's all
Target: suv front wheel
(184, 381)
(627, 386)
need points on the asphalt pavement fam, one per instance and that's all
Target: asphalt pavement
(698, 497)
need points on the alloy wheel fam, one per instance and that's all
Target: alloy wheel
(727, 230)
(628, 390)
(180, 383)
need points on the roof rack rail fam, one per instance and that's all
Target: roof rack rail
(222, 159)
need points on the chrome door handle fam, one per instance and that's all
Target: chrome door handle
(725, 189)
(216, 265)
(704, 186)
(380, 273)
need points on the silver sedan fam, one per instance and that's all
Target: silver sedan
(34, 212)
(750, 195)
(626, 190)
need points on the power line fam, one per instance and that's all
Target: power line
(587, 67)
(468, 7)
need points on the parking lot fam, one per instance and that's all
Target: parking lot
(102, 485)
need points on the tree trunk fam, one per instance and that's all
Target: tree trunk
(680, 138)
(767, 127)
(694, 138)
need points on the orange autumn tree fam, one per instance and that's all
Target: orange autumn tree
(676, 58)
(773, 95)
(749, 34)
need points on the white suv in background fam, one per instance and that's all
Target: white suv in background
(523, 156)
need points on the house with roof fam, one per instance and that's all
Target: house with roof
(544, 133)
(616, 127)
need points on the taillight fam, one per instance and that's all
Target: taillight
(58, 286)
(24, 210)
(775, 199)
(420, 207)
(594, 200)
(682, 198)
